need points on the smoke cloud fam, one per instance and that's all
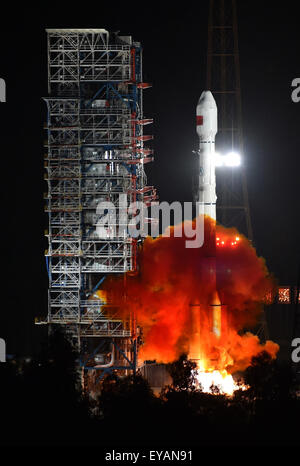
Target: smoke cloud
(174, 283)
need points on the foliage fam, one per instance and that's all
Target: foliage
(181, 372)
(41, 404)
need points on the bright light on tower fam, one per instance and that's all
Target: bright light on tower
(232, 159)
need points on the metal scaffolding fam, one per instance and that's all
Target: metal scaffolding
(95, 154)
(223, 79)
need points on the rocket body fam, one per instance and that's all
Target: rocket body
(207, 128)
(205, 197)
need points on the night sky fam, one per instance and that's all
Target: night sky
(174, 39)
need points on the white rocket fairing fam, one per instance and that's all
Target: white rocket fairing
(207, 128)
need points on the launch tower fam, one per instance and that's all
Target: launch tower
(94, 153)
(223, 79)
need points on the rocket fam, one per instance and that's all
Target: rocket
(207, 128)
(205, 198)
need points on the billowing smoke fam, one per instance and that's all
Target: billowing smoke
(174, 282)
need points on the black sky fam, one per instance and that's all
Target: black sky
(174, 39)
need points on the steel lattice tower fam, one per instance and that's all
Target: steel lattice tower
(223, 79)
(95, 153)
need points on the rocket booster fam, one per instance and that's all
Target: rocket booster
(207, 128)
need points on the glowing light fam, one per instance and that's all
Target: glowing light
(284, 295)
(228, 241)
(217, 382)
(232, 159)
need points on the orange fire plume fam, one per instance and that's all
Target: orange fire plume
(175, 300)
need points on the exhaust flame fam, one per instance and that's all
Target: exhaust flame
(176, 302)
(217, 382)
(220, 380)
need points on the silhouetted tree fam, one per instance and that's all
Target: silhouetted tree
(45, 399)
(41, 404)
(129, 402)
(122, 395)
(268, 379)
(181, 372)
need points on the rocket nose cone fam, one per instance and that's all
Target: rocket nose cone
(207, 100)
(207, 116)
